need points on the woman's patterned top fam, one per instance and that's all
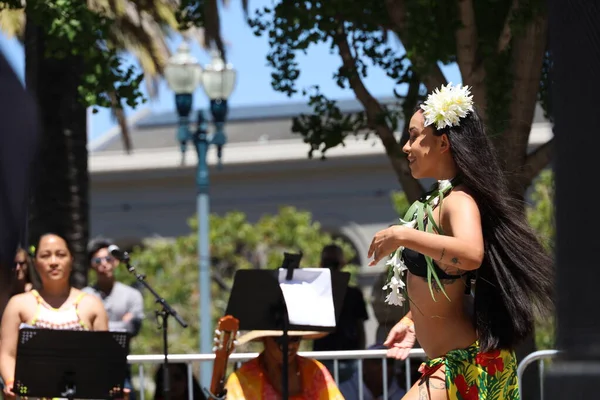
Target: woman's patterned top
(63, 318)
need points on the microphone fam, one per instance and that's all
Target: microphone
(117, 253)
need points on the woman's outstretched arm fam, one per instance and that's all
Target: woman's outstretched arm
(461, 247)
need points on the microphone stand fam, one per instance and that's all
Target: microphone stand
(162, 316)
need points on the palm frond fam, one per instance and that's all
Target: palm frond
(142, 36)
(12, 23)
(164, 11)
(140, 27)
(212, 26)
(111, 8)
(211, 34)
(196, 34)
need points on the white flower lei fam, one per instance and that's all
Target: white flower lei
(447, 105)
(396, 266)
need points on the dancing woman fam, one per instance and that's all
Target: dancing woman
(476, 274)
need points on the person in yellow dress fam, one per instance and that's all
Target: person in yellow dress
(260, 378)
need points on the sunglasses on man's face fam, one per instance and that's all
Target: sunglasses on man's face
(98, 260)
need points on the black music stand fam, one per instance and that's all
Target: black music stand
(71, 364)
(257, 301)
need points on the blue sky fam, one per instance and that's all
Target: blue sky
(247, 53)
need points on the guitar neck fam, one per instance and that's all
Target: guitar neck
(217, 384)
(224, 338)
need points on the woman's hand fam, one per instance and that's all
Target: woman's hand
(385, 242)
(8, 391)
(401, 339)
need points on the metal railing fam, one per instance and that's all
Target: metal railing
(336, 356)
(539, 356)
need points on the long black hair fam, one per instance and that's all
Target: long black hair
(516, 279)
(43, 235)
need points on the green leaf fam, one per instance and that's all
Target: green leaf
(431, 272)
(430, 218)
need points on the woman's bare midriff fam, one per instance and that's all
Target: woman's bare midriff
(441, 325)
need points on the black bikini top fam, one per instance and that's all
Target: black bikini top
(417, 265)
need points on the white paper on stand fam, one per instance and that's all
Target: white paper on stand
(308, 296)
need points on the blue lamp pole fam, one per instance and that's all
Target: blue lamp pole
(184, 74)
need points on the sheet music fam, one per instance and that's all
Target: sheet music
(309, 297)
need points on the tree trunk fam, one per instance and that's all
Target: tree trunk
(60, 191)
(527, 54)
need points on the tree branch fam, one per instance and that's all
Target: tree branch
(527, 56)
(537, 161)
(119, 114)
(466, 40)
(506, 35)
(219, 280)
(431, 74)
(374, 111)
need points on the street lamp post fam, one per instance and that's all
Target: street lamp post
(184, 74)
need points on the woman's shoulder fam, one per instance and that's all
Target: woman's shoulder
(20, 303)
(246, 371)
(461, 193)
(23, 299)
(250, 365)
(460, 198)
(312, 364)
(86, 299)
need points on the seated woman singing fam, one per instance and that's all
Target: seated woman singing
(260, 378)
(57, 305)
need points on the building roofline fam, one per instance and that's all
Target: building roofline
(253, 153)
(277, 111)
(104, 138)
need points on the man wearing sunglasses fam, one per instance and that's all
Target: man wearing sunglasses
(124, 304)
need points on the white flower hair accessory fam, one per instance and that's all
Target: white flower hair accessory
(447, 105)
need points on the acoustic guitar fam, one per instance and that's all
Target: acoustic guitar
(225, 335)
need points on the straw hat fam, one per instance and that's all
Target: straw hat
(255, 335)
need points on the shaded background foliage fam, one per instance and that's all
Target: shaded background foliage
(236, 243)
(541, 217)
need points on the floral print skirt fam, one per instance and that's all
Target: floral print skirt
(472, 375)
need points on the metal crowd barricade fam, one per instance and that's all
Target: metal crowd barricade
(540, 356)
(358, 355)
